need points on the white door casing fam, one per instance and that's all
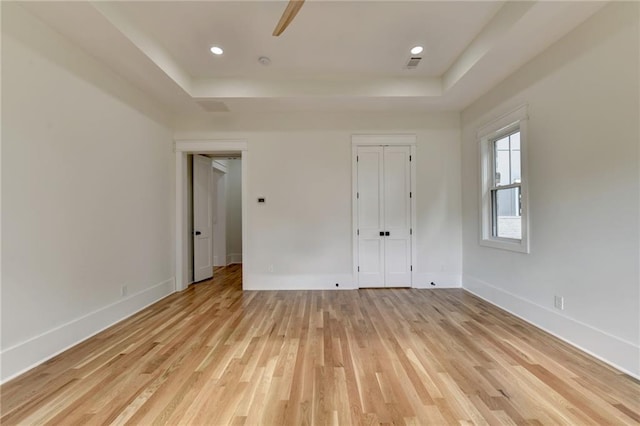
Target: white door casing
(202, 218)
(384, 202)
(183, 147)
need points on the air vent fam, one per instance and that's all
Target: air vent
(413, 62)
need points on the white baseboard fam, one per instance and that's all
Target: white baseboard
(26, 355)
(424, 280)
(328, 281)
(234, 258)
(619, 353)
(298, 282)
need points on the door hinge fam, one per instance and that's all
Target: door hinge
(412, 268)
(358, 269)
(410, 231)
(409, 158)
(410, 195)
(358, 232)
(357, 158)
(357, 195)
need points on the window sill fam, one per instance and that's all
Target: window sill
(519, 246)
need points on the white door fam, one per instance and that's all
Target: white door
(397, 216)
(202, 218)
(384, 216)
(370, 217)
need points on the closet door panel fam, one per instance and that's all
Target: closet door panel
(397, 215)
(370, 216)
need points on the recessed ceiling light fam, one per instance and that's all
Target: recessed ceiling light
(416, 50)
(217, 50)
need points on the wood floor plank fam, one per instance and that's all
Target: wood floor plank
(214, 354)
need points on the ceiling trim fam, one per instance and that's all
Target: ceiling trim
(145, 43)
(510, 39)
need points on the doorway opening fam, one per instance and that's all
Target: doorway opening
(205, 171)
(214, 213)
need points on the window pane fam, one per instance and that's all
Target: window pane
(514, 140)
(515, 167)
(507, 220)
(503, 144)
(501, 165)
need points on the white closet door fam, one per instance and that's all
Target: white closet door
(370, 216)
(397, 216)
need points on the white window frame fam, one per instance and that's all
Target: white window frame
(503, 125)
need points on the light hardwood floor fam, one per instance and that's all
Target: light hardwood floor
(216, 355)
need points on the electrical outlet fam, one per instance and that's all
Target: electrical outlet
(558, 302)
(124, 290)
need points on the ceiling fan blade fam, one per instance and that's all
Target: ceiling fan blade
(287, 16)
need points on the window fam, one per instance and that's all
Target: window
(504, 191)
(506, 188)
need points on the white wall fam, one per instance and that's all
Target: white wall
(234, 211)
(87, 194)
(584, 185)
(301, 163)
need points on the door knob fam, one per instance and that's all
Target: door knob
(198, 232)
